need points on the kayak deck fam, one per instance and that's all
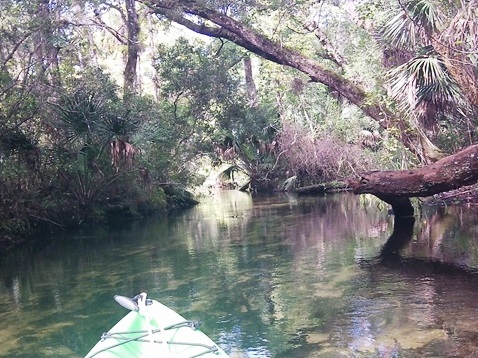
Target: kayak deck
(155, 331)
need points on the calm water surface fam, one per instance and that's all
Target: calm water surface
(267, 276)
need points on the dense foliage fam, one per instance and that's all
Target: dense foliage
(110, 108)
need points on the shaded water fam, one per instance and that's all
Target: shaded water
(268, 277)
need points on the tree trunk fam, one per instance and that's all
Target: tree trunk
(132, 24)
(251, 86)
(46, 54)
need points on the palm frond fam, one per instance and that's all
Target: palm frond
(228, 173)
(424, 79)
(399, 31)
(425, 14)
(79, 114)
(407, 26)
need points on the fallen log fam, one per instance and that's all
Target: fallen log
(322, 188)
(395, 187)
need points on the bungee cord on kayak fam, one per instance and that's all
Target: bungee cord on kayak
(152, 329)
(142, 334)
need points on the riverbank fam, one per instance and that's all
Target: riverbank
(30, 222)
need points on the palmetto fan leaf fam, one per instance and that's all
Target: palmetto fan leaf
(425, 14)
(411, 23)
(88, 115)
(228, 173)
(122, 126)
(424, 79)
(79, 114)
(400, 31)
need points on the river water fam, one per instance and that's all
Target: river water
(275, 276)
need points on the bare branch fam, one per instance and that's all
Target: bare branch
(15, 48)
(122, 39)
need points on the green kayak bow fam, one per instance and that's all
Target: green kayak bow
(153, 330)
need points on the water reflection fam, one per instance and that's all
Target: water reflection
(432, 314)
(273, 276)
(401, 236)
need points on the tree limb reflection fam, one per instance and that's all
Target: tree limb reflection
(390, 254)
(401, 236)
(420, 288)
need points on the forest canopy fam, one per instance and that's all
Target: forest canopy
(119, 107)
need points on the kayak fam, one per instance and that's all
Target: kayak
(152, 329)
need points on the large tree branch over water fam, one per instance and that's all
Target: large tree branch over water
(215, 24)
(446, 174)
(395, 187)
